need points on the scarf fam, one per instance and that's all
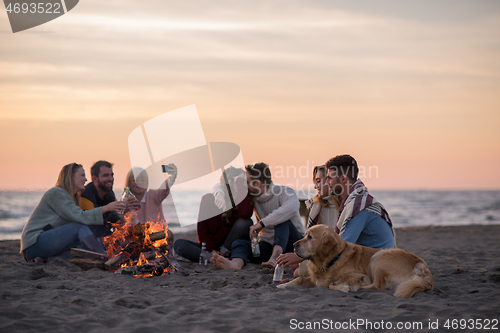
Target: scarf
(315, 209)
(266, 196)
(356, 200)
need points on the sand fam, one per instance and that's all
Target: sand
(60, 297)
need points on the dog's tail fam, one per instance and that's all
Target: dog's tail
(421, 280)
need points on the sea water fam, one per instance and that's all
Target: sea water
(406, 209)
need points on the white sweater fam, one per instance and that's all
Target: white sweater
(277, 205)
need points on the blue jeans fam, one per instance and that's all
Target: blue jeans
(285, 234)
(191, 250)
(54, 241)
(242, 249)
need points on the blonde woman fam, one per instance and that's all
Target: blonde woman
(323, 209)
(57, 223)
(150, 201)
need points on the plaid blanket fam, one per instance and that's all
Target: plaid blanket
(319, 214)
(358, 199)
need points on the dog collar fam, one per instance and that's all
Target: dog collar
(330, 264)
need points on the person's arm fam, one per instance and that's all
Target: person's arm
(220, 197)
(289, 205)
(163, 192)
(160, 194)
(62, 204)
(355, 227)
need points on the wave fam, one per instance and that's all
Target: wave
(11, 228)
(6, 214)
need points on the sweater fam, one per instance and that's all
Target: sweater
(369, 229)
(319, 214)
(90, 199)
(56, 208)
(213, 231)
(279, 204)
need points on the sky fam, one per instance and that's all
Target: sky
(410, 89)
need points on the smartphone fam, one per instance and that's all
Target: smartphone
(166, 168)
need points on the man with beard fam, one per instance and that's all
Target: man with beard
(279, 226)
(99, 193)
(362, 219)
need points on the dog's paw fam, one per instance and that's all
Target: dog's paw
(354, 288)
(344, 287)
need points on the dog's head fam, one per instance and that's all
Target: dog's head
(319, 242)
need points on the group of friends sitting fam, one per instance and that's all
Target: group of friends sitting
(74, 215)
(342, 202)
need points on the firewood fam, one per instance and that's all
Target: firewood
(115, 261)
(146, 269)
(88, 254)
(86, 264)
(155, 236)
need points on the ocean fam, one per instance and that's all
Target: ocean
(406, 208)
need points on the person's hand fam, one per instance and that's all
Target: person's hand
(133, 204)
(172, 174)
(117, 206)
(254, 230)
(220, 200)
(240, 187)
(287, 259)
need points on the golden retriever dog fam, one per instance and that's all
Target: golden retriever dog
(339, 265)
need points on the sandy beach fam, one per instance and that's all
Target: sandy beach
(59, 297)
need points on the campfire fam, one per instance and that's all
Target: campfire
(133, 249)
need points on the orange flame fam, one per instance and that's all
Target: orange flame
(135, 238)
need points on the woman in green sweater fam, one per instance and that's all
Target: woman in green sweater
(57, 223)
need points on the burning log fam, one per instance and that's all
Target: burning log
(140, 250)
(146, 269)
(134, 243)
(114, 262)
(156, 236)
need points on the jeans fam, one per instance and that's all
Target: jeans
(55, 241)
(242, 249)
(285, 234)
(191, 250)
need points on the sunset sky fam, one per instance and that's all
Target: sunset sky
(410, 89)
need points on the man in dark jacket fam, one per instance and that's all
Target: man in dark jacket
(99, 193)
